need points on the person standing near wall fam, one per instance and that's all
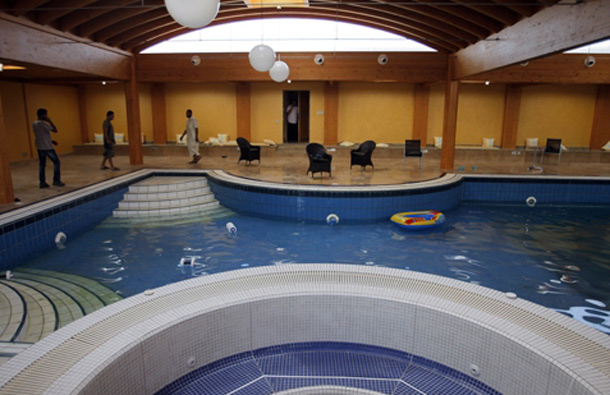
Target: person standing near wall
(192, 136)
(292, 115)
(44, 145)
(109, 142)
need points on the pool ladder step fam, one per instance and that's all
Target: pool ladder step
(167, 196)
(34, 303)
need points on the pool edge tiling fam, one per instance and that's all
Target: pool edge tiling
(143, 343)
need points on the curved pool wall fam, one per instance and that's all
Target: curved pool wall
(30, 230)
(143, 343)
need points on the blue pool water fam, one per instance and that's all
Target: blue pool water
(558, 257)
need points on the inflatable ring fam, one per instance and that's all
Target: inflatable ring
(418, 219)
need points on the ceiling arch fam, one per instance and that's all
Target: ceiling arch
(445, 25)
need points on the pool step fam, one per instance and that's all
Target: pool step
(173, 220)
(34, 303)
(167, 196)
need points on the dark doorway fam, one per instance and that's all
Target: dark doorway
(296, 116)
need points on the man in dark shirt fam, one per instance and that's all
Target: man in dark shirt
(42, 137)
(109, 141)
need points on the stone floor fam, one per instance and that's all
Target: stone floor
(288, 164)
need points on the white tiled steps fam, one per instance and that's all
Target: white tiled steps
(34, 303)
(167, 196)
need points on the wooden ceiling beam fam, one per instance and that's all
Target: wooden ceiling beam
(423, 20)
(502, 14)
(489, 24)
(59, 8)
(552, 30)
(555, 69)
(139, 33)
(80, 17)
(525, 10)
(26, 41)
(401, 67)
(449, 19)
(435, 40)
(117, 29)
(24, 6)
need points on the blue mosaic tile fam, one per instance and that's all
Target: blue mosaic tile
(292, 366)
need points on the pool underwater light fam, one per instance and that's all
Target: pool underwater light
(60, 240)
(231, 229)
(332, 219)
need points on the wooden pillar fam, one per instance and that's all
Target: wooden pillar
(7, 194)
(510, 123)
(600, 131)
(132, 100)
(243, 110)
(452, 91)
(331, 113)
(420, 113)
(82, 113)
(159, 114)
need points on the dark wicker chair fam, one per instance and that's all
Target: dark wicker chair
(248, 151)
(319, 160)
(553, 146)
(362, 155)
(413, 148)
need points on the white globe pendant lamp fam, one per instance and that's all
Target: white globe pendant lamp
(193, 13)
(279, 71)
(262, 57)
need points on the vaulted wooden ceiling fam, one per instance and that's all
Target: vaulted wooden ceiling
(446, 25)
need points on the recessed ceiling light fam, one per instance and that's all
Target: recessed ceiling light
(13, 67)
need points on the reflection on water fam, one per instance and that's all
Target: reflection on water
(554, 256)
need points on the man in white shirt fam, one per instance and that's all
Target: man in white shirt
(192, 136)
(292, 116)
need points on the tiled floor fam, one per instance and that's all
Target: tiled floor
(288, 165)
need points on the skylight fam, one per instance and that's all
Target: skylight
(598, 47)
(288, 35)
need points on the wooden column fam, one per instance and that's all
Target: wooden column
(452, 91)
(510, 123)
(132, 100)
(331, 113)
(420, 113)
(243, 110)
(7, 194)
(600, 132)
(159, 114)
(82, 113)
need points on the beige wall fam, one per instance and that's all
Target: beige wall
(375, 111)
(62, 104)
(16, 121)
(101, 99)
(213, 106)
(379, 111)
(557, 111)
(436, 109)
(268, 115)
(480, 113)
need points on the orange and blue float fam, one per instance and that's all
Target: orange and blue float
(418, 219)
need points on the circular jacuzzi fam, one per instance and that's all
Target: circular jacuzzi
(144, 343)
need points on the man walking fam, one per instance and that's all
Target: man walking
(192, 136)
(44, 145)
(109, 141)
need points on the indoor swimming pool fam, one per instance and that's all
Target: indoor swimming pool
(551, 255)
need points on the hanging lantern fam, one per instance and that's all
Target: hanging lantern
(262, 57)
(193, 13)
(279, 71)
